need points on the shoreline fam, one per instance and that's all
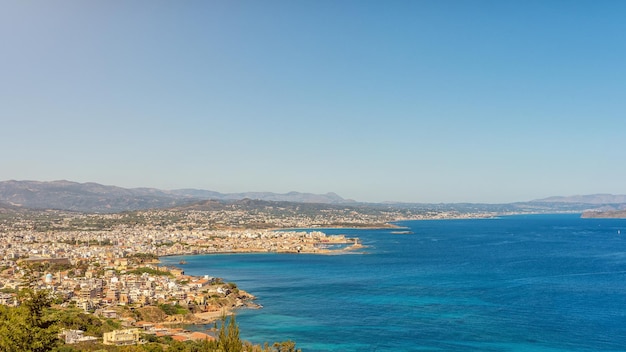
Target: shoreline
(245, 300)
(350, 246)
(208, 317)
(384, 226)
(286, 241)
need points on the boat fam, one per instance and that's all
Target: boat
(402, 232)
(182, 262)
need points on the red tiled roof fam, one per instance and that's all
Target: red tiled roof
(200, 336)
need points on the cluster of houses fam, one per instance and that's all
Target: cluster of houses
(133, 336)
(121, 282)
(102, 268)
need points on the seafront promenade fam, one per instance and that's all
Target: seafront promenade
(97, 245)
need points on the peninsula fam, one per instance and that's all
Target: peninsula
(607, 214)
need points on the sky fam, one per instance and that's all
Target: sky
(412, 101)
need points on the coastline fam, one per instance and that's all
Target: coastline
(316, 247)
(210, 316)
(361, 302)
(351, 245)
(319, 250)
(243, 299)
(382, 226)
(261, 241)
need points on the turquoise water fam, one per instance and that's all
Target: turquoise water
(520, 283)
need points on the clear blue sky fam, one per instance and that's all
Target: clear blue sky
(419, 101)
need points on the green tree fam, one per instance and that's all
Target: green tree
(28, 328)
(176, 346)
(286, 346)
(228, 338)
(73, 318)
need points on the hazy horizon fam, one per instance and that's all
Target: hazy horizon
(406, 101)
(324, 193)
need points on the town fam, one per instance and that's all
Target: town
(107, 265)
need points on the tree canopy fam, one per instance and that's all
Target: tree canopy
(28, 327)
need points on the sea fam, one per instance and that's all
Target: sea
(547, 283)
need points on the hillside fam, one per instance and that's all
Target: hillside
(94, 197)
(296, 197)
(8, 208)
(84, 197)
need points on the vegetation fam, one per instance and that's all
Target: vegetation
(29, 327)
(144, 256)
(150, 271)
(77, 320)
(172, 309)
(33, 326)
(41, 267)
(228, 337)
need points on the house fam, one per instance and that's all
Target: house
(75, 336)
(8, 299)
(200, 336)
(176, 272)
(145, 325)
(109, 314)
(180, 338)
(121, 337)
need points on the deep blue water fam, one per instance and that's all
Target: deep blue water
(518, 283)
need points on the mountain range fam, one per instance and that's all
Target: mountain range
(98, 198)
(296, 197)
(586, 199)
(94, 197)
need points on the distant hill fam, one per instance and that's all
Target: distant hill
(296, 197)
(256, 204)
(87, 197)
(586, 199)
(8, 208)
(94, 197)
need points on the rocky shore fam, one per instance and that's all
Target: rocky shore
(197, 314)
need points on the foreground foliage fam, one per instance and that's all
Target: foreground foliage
(33, 326)
(29, 326)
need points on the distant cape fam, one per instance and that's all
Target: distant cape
(609, 214)
(586, 199)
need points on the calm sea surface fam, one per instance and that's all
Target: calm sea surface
(518, 283)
